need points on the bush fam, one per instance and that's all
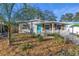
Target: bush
(12, 40)
(62, 52)
(50, 34)
(57, 36)
(40, 38)
(68, 41)
(33, 35)
(26, 46)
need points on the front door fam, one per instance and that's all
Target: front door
(39, 28)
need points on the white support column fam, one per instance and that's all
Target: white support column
(53, 29)
(35, 28)
(20, 26)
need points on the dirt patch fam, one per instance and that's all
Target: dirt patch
(47, 47)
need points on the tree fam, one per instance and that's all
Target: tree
(31, 13)
(1, 25)
(76, 17)
(67, 17)
(48, 15)
(9, 12)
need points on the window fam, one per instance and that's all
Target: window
(47, 27)
(25, 26)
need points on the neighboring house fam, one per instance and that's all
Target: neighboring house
(38, 26)
(74, 28)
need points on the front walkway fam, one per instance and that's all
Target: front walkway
(69, 36)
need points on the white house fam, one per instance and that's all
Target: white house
(39, 26)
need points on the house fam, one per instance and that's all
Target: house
(38, 26)
(74, 28)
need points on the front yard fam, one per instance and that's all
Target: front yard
(30, 45)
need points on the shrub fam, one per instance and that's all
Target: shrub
(12, 40)
(33, 35)
(67, 41)
(26, 46)
(50, 34)
(68, 52)
(62, 53)
(40, 38)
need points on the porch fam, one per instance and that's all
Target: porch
(49, 27)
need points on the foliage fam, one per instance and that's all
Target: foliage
(48, 47)
(39, 38)
(56, 35)
(9, 13)
(26, 46)
(22, 36)
(34, 35)
(70, 17)
(68, 52)
(67, 17)
(48, 15)
(13, 40)
(52, 34)
(76, 17)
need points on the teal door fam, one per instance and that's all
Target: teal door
(39, 28)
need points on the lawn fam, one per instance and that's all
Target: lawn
(28, 45)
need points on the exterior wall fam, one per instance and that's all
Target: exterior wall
(33, 25)
(21, 30)
(35, 28)
(76, 30)
(70, 29)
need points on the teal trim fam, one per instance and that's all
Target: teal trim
(39, 28)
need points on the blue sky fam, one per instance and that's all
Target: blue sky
(58, 8)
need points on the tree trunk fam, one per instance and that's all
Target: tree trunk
(9, 33)
(1, 27)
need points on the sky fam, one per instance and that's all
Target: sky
(58, 8)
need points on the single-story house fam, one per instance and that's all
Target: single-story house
(74, 28)
(38, 26)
